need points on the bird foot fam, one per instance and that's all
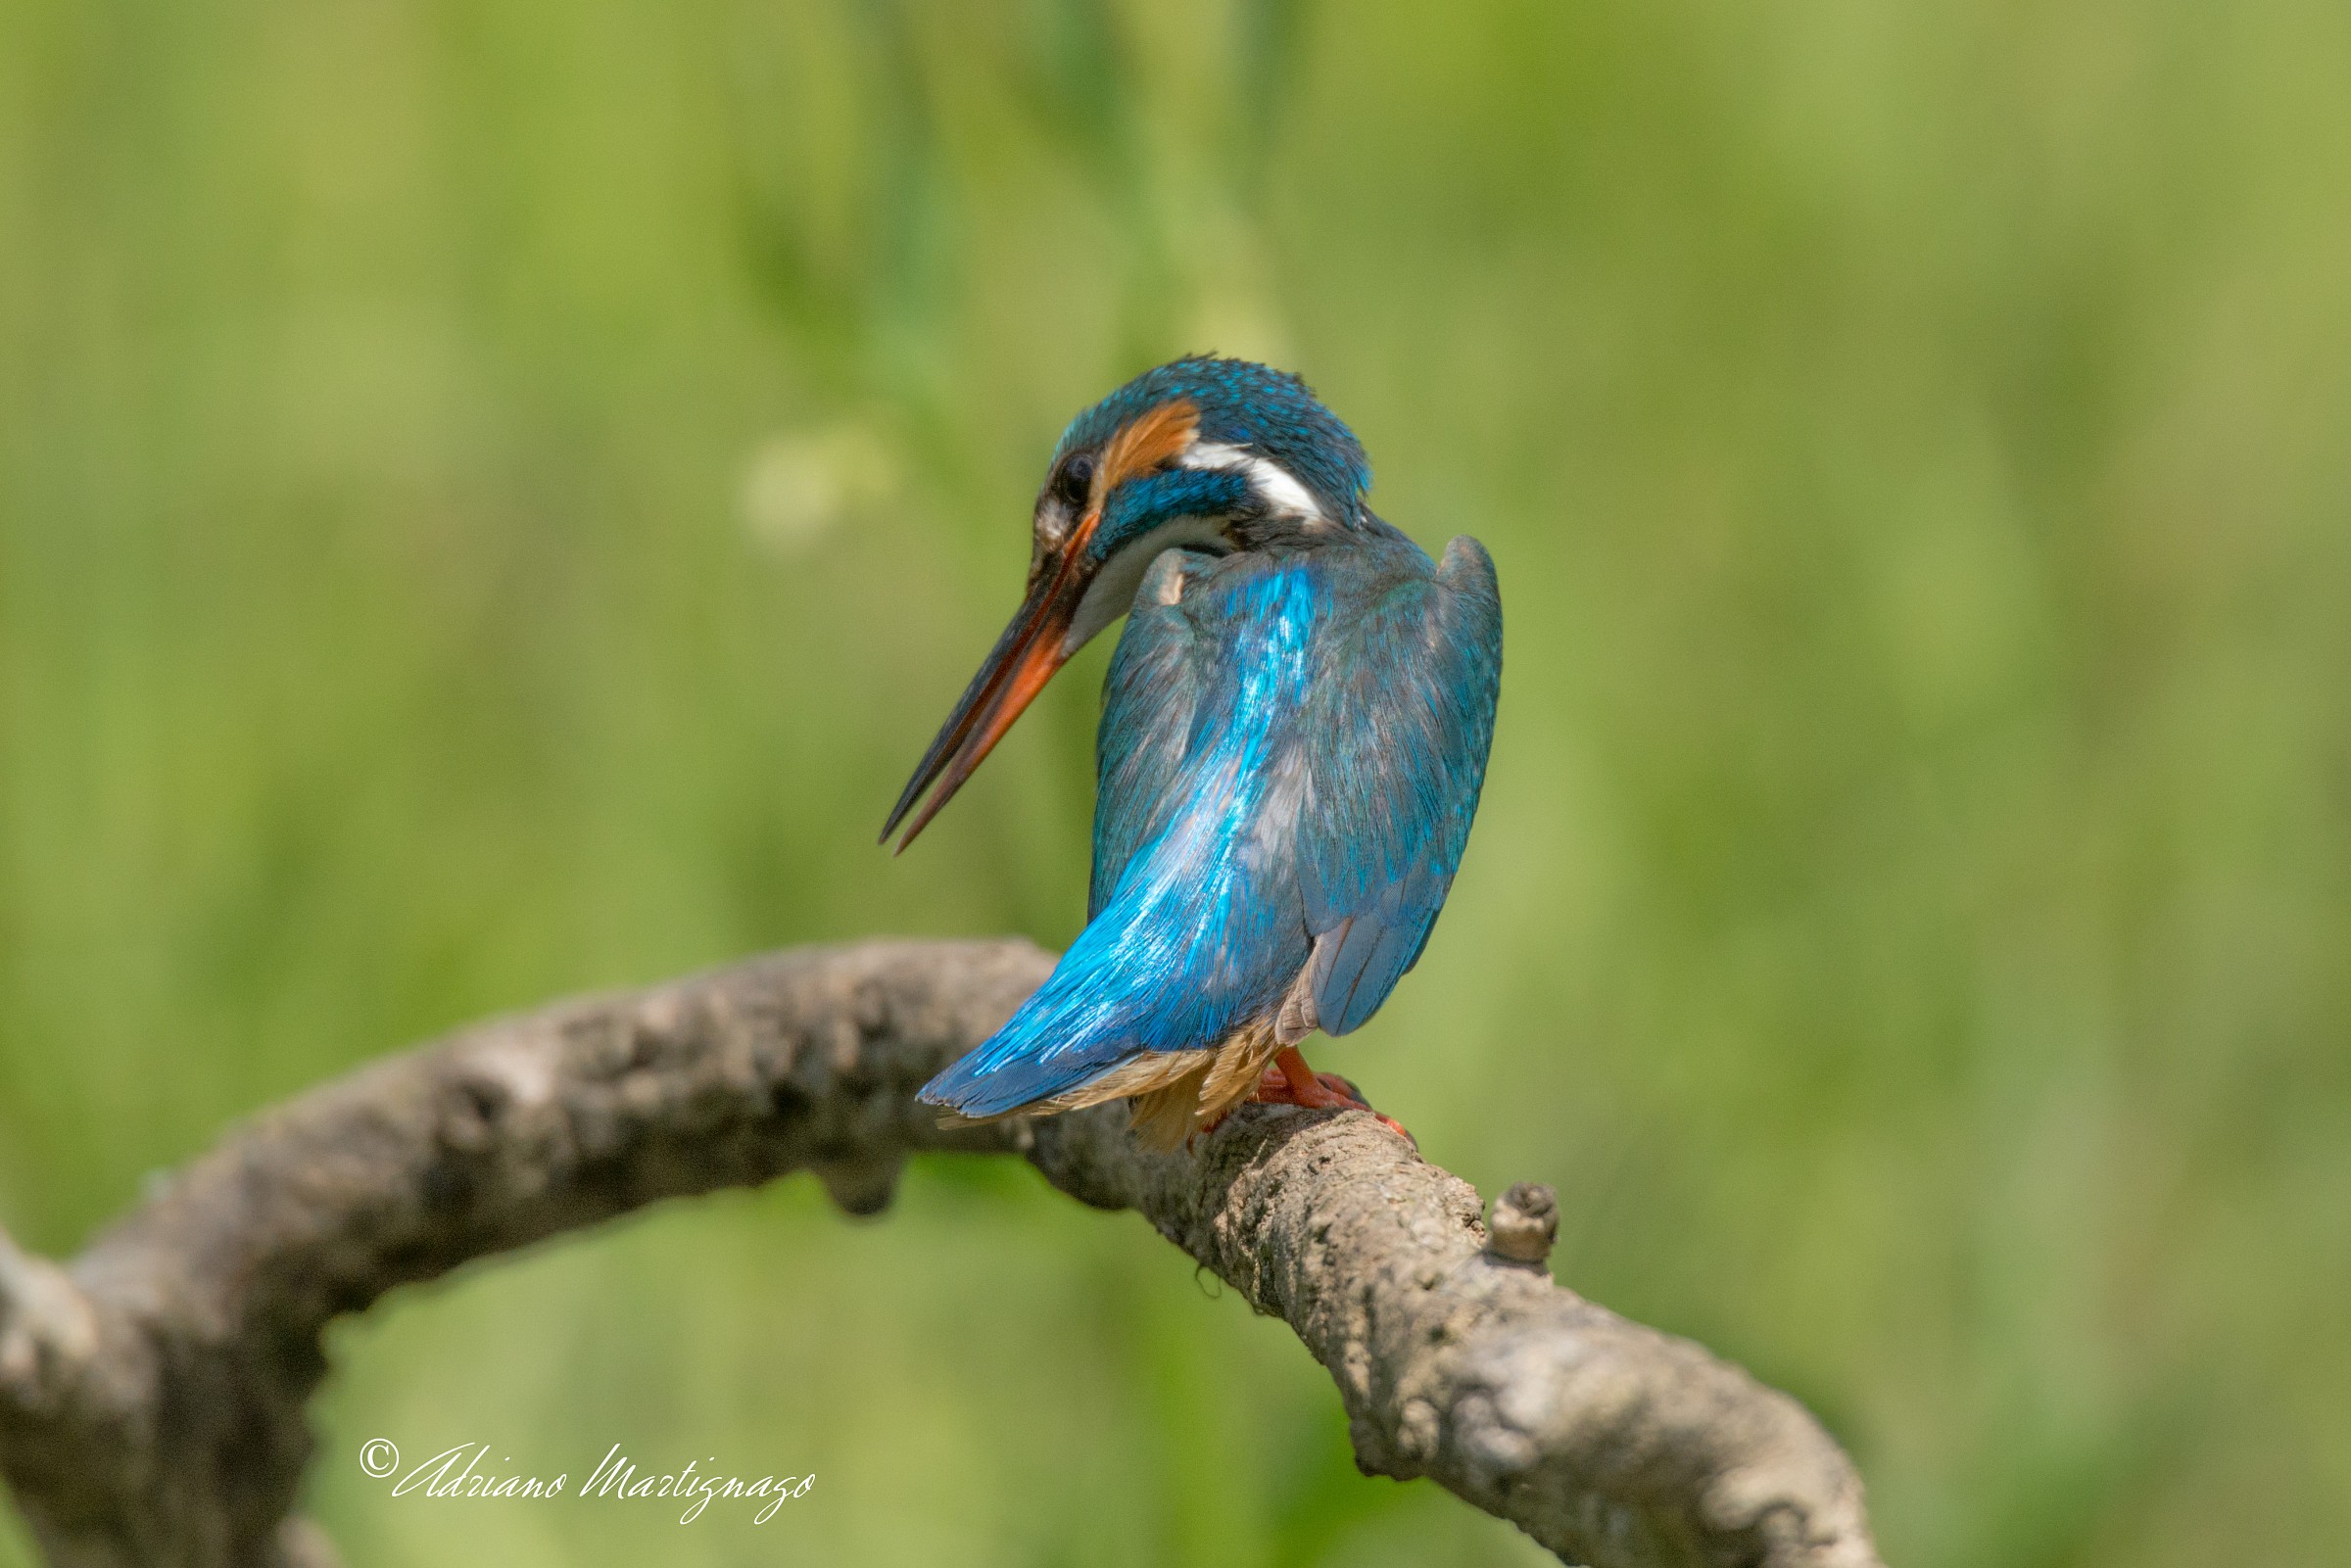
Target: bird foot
(1290, 1081)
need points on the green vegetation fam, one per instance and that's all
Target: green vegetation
(494, 498)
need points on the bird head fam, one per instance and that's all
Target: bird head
(1216, 455)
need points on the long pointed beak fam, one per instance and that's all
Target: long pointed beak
(1024, 658)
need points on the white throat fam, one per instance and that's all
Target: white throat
(1112, 592)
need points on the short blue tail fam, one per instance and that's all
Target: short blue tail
(1174, 962)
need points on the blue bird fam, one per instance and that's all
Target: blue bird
(1294, 732)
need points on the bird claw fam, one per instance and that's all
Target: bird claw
(1317, 1091)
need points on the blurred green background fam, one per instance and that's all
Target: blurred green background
(494, 498)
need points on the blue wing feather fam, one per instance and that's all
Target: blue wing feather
(1195, 926)
(1397, 738)
(1148, 702)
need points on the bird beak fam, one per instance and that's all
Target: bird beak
(1026, 656)
(1036, 642)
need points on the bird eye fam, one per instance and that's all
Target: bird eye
(1076, 481)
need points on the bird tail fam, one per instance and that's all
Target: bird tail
(1123, 1013)
(1174, 1093)
(1066, 1040)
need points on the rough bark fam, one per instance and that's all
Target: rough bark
(152, 1390)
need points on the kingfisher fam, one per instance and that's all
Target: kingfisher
(1294, 734)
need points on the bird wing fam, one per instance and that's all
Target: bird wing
(1148, 702)
(1395, 737)
(1194, 925)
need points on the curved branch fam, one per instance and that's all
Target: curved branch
(152, 1393)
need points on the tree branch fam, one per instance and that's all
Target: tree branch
(151, 1392)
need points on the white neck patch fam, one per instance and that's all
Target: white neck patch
(1112, 592)
(1273, 484)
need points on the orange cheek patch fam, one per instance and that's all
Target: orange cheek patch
(1159, 436)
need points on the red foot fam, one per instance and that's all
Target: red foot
(1290, 1081)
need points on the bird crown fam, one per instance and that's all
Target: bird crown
(1251, 411)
